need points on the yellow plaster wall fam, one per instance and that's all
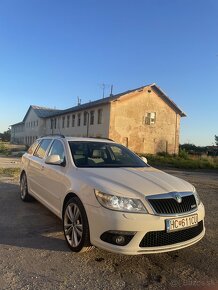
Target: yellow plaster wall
(127, 123)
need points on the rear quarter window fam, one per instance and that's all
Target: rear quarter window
(42, 148)
(33, 147)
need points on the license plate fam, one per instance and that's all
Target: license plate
(181, 223)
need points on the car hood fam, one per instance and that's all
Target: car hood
(131, 182)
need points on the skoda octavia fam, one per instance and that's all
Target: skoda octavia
(109, 197)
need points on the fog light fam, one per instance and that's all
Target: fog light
(120, 240)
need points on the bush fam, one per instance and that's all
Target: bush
(3, 148)
(164, 154)
(183, 154)
(183, 161)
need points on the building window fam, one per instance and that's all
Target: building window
(73, 120)
(63, 122)
(37, 123)
(68, 121)
(85, 116)
(51, 123)
(92, 117)
(150, 118)
(79, 119)
(100, 116)
(55, 123)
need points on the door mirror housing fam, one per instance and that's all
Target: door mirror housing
(53, 159)
(144, 159)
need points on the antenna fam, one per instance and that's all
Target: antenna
(103, 87)
(111, 94)
(78, 101)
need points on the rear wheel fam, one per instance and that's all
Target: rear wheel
(24, 194)
(76, 227)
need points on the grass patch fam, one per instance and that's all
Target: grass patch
(7, 149)
(10, 172)
(184, 161)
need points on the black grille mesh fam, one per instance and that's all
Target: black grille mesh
(171, 206)
(162, 238)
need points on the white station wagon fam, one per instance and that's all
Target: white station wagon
(110, 198)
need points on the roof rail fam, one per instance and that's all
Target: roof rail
(53, 135)
(101, 138)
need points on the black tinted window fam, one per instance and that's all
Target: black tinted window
(41, 150)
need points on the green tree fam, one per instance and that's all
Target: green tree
(216, 140)
(6, 136)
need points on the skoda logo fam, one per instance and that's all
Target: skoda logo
(178, 197)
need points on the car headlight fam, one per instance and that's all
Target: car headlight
(119, 203)
(197, 197)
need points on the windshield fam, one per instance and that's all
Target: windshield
(100, 154)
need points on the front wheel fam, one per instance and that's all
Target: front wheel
(75, 226)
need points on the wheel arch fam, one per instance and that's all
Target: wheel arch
(21, 173)
(66, 199)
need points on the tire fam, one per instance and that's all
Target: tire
(75, 226)
(24, 194)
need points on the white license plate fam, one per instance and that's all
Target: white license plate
(181, 223)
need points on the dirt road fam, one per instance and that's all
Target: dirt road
(34, 255)
(9, 162)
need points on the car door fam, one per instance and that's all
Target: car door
(35, 172)
(54, 180)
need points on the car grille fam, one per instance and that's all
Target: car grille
(162, 238)
(171, 206)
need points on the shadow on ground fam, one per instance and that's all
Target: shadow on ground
(28, 224)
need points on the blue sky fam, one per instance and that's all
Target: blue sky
(53, 51)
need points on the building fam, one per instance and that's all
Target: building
(144, 119)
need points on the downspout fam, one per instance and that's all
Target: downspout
(175, 135)
(87, 133)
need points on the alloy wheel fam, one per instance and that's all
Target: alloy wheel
(73, 226)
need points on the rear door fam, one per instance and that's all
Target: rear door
(35, 172)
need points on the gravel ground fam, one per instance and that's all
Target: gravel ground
(35, 256)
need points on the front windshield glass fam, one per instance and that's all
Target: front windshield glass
(100, 154)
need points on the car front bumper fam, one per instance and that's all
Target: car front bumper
(102, 220)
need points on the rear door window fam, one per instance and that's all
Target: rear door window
(41, 150)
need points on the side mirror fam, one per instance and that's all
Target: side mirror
(144, 159)
(53, 159)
